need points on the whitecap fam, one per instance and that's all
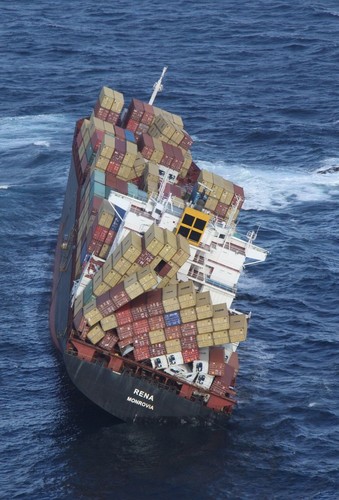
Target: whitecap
(273, 189)
(4, 186)
(42, 143)
(21, 132)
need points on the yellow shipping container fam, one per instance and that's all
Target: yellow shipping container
(173, 346)
(186, 294)
(156, 336)
(205, 340)
(133, 287)
(154, 239)
(183, 251)
(205, 325)
(221, 337)
(91, 313)
(95, 334)
(170, 246)
(238, 335)
(131, 246)
(204, 306)
(170, 299)
(220, 317)
(188, 315)
(119, 262)
(109, 322)
(147, 278)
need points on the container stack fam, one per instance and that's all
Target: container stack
(109, 105)
(164, 326)
(221, 197)
(158, 251)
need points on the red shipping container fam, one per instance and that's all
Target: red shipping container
(221, 384)
(109, 341)
(190, 355)
(144, 258)
(100, 112)
(221, 209)
(112, 117)
(189, 342)
(141, 353)
(100, 233)
(172, 332)
(146, 146)
(110, 179)
(125, 342)
(148, 115)
(154, 296)
(113, 167)
(119, 132)
(178, 159)
(96, 139)
(140, 326)
(118, 296)
(122, 186)
(158, 349)
(139, 308)
(164, 270)
(141, 340)
(216, 364)
(132, 125)
(110, 237)
(156, 322)
(105, 304)
(135, 110)
(124, 315)
(186, 142)
(168, 155)
(189, 329)
(125, 331)
(96, 204)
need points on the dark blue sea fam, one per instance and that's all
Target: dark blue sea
(256, 83)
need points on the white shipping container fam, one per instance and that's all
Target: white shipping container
(175, 359)
(159, 362)
(204, 380)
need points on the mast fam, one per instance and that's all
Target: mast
(158, 86)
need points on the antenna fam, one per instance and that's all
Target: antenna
(158, 86)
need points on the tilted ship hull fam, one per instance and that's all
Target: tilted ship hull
(146, 267)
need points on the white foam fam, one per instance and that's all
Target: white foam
(4, 186)
(42, 143)
(273, 189)
(19, 132)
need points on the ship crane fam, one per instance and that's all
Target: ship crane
(158, 86)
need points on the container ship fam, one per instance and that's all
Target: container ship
(146, 268)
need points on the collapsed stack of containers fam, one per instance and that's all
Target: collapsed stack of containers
(220, 196)
(160, 136)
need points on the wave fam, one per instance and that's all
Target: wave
(4, 186)
(273, 189)
(19, 132)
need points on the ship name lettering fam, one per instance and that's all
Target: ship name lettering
(144, 395)
(140, 403)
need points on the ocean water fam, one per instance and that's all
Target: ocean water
(256, 85)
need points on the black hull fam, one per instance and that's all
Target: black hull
(131, 398)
